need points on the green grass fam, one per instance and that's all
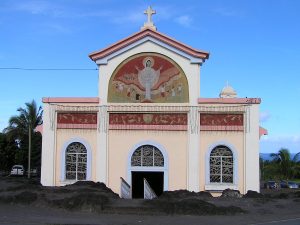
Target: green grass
(296, 180)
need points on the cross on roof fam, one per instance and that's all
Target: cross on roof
(149, 24)
(149, 13)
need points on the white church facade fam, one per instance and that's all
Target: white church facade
(150, 121)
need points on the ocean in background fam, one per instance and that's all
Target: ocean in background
(267, 156)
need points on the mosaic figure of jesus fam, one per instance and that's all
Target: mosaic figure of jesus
(148, 77)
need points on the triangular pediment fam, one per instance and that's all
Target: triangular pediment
(146, 35)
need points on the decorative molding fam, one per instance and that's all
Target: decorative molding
(150, 121)
(221, 128)
(76, 126)
(149, 127)
(150, 107)
(208, 119)
(77, 120)
(71, 100)
(194, 120)
(221, 122)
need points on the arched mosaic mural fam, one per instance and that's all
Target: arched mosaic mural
(148, 78)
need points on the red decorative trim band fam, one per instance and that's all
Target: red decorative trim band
(148, 121)
(209, 119)
(148, 127)
(76, 126)
(148, 118)
(77, 120)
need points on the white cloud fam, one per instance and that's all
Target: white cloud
(296, 139)
(279, 138)
(264, 116)
(165, 12)
(33, 7)
(184, 20)
(61, 11)
(128, 17)
(102, 13)
(57, 9)
(271, 144)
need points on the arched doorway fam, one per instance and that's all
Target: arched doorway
(148, 161)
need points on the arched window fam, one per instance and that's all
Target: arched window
(147, 155)
(76, 161)
(221, 165)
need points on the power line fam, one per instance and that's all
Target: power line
(20, 68)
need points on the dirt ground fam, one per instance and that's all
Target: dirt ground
(25, 201)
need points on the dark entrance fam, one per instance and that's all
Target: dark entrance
(155, 180)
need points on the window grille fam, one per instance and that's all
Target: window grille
(76, 161)
(221, 165)
(148, 156)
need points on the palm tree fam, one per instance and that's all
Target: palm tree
(286, 164)
(24, 125)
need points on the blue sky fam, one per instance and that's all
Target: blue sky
(253, 44)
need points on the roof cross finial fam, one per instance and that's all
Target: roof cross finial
(149, 13)
(149, 24)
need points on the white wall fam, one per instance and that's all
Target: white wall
(252, 149)
(48, 147)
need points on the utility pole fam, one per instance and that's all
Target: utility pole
(29, 150)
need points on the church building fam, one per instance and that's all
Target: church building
(149, 130)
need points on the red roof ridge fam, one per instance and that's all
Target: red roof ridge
(141, 34)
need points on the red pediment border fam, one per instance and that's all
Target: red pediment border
(145, 33)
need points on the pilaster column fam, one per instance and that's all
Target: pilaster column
(48, 145)
(193, 150)
(102, 146)
(252, 149)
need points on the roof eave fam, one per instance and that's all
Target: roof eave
(144, 33)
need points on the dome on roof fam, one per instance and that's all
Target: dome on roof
(228, 92)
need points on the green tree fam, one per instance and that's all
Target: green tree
(22, 129)
(8, 149)
(270, 170)
(286, 165)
